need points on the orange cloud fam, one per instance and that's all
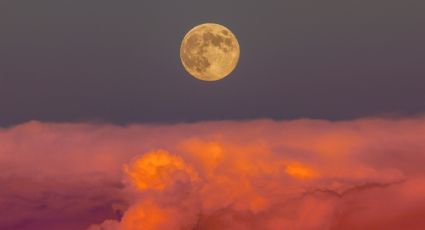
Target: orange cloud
(300, 171)
(158, 170)
(304, 174)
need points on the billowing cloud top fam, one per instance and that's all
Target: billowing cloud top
(303, 174)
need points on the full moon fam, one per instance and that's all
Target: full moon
(209, 52)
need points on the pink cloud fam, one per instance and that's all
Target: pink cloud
(262, 174)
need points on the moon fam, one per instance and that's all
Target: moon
(209, 52)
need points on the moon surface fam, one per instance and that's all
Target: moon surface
(209, 52)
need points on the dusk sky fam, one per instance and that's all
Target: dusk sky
(117, 61)
(321, 126)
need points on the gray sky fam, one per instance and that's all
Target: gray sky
(118, 61)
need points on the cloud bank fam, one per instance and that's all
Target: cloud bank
(261, 174)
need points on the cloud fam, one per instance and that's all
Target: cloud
(261, 174)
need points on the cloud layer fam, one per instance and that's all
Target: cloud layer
(262, 174)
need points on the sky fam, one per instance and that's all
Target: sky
(118, 61)
(320, 127)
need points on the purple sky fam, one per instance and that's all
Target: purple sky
(118, 62)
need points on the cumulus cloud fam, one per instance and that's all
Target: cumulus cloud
(262, 174)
